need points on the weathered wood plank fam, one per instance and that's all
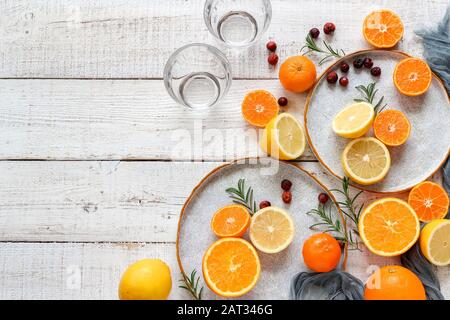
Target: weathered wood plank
(134, 38)
(93, 270)
(102, 200)
(121, 119)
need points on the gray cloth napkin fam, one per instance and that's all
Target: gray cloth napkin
(334, 285)
(436, 45)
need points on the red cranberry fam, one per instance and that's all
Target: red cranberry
(329, 28)
(375, 71)
(332, 77)
(358, 63)
(286, 196)
(271, 46)
(272, 59)
(323, 198)
(286, 185)
(368, 63)
(345, 67)
(343, 81)
(282, 101)
(314, 32)
(264, 204)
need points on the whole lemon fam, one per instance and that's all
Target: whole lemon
(147, 279)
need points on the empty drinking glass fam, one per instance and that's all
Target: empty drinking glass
(197, 75)
(237, 23)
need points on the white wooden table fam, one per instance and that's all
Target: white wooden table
(90, 178)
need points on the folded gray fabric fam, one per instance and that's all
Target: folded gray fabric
(417, 263)
(334, 285)
(436, 45)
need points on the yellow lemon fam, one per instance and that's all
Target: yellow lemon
(435, 242)
(147, 279)
(366, 160)
(354, 120)
(283, 138)
(271, 230)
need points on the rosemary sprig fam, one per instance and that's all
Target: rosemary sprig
(243, 197)
(369, 93)
(191, 284)
(349, 207)
(329, 52)
(328, 225)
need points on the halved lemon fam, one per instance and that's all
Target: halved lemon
(271, 230)
(354, 120)
(435, 242)
(283, 138)
(366, 160)
(389, 227)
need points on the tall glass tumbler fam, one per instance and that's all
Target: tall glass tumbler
(237, 23)
(197, 75)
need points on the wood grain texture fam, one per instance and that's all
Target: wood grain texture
(121, 119)
(134, 38)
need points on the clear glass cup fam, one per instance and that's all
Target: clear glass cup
(237, 23)
(197, 75)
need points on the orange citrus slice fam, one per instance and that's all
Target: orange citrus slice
(383, 29)
(412, 76)
(392, 127)
(231, 267)
(389, 227)
(230, 221)
(259, 107)
(429, 200)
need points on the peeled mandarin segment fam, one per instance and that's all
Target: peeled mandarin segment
(383, 29)
(259, 107)
(389, 227)
(354, 120)
(231, 267)
(429, 200)
(391, 127)
(412, 76)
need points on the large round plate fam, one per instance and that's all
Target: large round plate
(429, 114)
(195, 235)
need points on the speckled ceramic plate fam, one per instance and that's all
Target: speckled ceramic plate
(195, 235)
(429, 114)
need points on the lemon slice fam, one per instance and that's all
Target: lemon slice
(271, 230)
(283, 138)
(435, 242)
(366, 160)
(354, 120)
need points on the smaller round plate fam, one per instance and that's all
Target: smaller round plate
(429, 114)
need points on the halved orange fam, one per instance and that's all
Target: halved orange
(231, 267)
(259, 107)
(429, 200)
(412, 77)
(230, 221)
(391, 127)
(383, 29)
(389, 227)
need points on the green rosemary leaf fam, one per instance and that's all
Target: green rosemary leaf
(242, 196)
(191, 285)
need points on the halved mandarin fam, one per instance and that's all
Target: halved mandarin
(383, 29)
(429, 200)
(389, 227)
(412, 77)
(231, 267)
(391, 127)
(259, 107)
(230, 221)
